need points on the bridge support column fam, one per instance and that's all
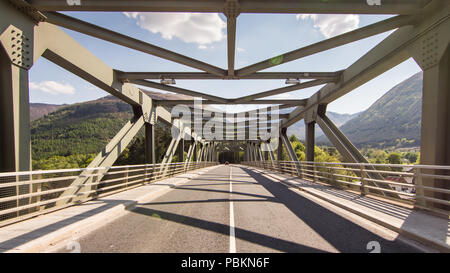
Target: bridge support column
(280, 152)
(214, 155)
(150, 143)
(16, 33)
(195, 151)
(181, 151)
(255, 152)
(261, 153)
(435, 140)
(310, 140)
(16, 58)
(206, 154)
(200, 153)
(280, 149)
(310, 127)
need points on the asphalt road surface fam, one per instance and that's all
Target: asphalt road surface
(233, 209)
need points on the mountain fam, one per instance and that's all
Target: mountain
(298, 128)
(38, 110)
(85, 128)
(392, 121)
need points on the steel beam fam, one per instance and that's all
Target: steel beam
(200, 154)
(232, 12)
(290, 151)
(178, 90)
(61, 49)
(279, 91)
(191, 152)
(105, 158)
(246, 6)
(170, 151)
(348, 151)
(252, 102)
(123, 40)
(387, 54)
(128, 76)
(336, 41)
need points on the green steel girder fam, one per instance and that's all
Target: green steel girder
(392, 51)
(245, 6)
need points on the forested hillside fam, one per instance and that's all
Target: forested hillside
(392, 121)
(72, 135)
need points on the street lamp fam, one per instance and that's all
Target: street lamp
(168, 81)
(293, 81)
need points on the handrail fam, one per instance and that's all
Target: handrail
(405, 182)
(30, 193)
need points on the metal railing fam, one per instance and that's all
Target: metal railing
(403, 183)
(28, 194)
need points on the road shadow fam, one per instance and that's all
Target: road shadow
(57, 225)
(341, 233)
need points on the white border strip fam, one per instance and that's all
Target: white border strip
(232, 231)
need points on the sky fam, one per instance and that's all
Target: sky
(203, 37)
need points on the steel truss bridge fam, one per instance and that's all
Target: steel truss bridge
(32, 29)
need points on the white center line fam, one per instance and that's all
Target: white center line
(232, 238)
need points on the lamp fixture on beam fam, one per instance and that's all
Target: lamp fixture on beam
(168, 81)
(293, 81)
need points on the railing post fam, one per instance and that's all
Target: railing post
(126, 176)
(419, 188)
(363, 181)
(333, 177)
(314, 169)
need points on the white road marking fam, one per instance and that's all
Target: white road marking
(232, 232)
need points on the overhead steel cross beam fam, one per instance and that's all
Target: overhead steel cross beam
(179, 90)
(279, 91)
(120, 39)
(246, 6)
(207, 102)
(240, 100)
(336, 41)
(128, 76)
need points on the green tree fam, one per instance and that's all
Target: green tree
(412, 157)
(394, 158)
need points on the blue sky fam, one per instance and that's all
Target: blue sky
(203, 36)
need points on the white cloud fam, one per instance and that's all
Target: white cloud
(330, 24)
(53, 88)
(200, 28)
(202, 47)
(240, 49)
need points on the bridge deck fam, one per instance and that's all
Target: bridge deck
(227, 209)
(268, 216)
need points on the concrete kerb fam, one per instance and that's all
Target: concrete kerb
(63, 236)
(442, 247)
